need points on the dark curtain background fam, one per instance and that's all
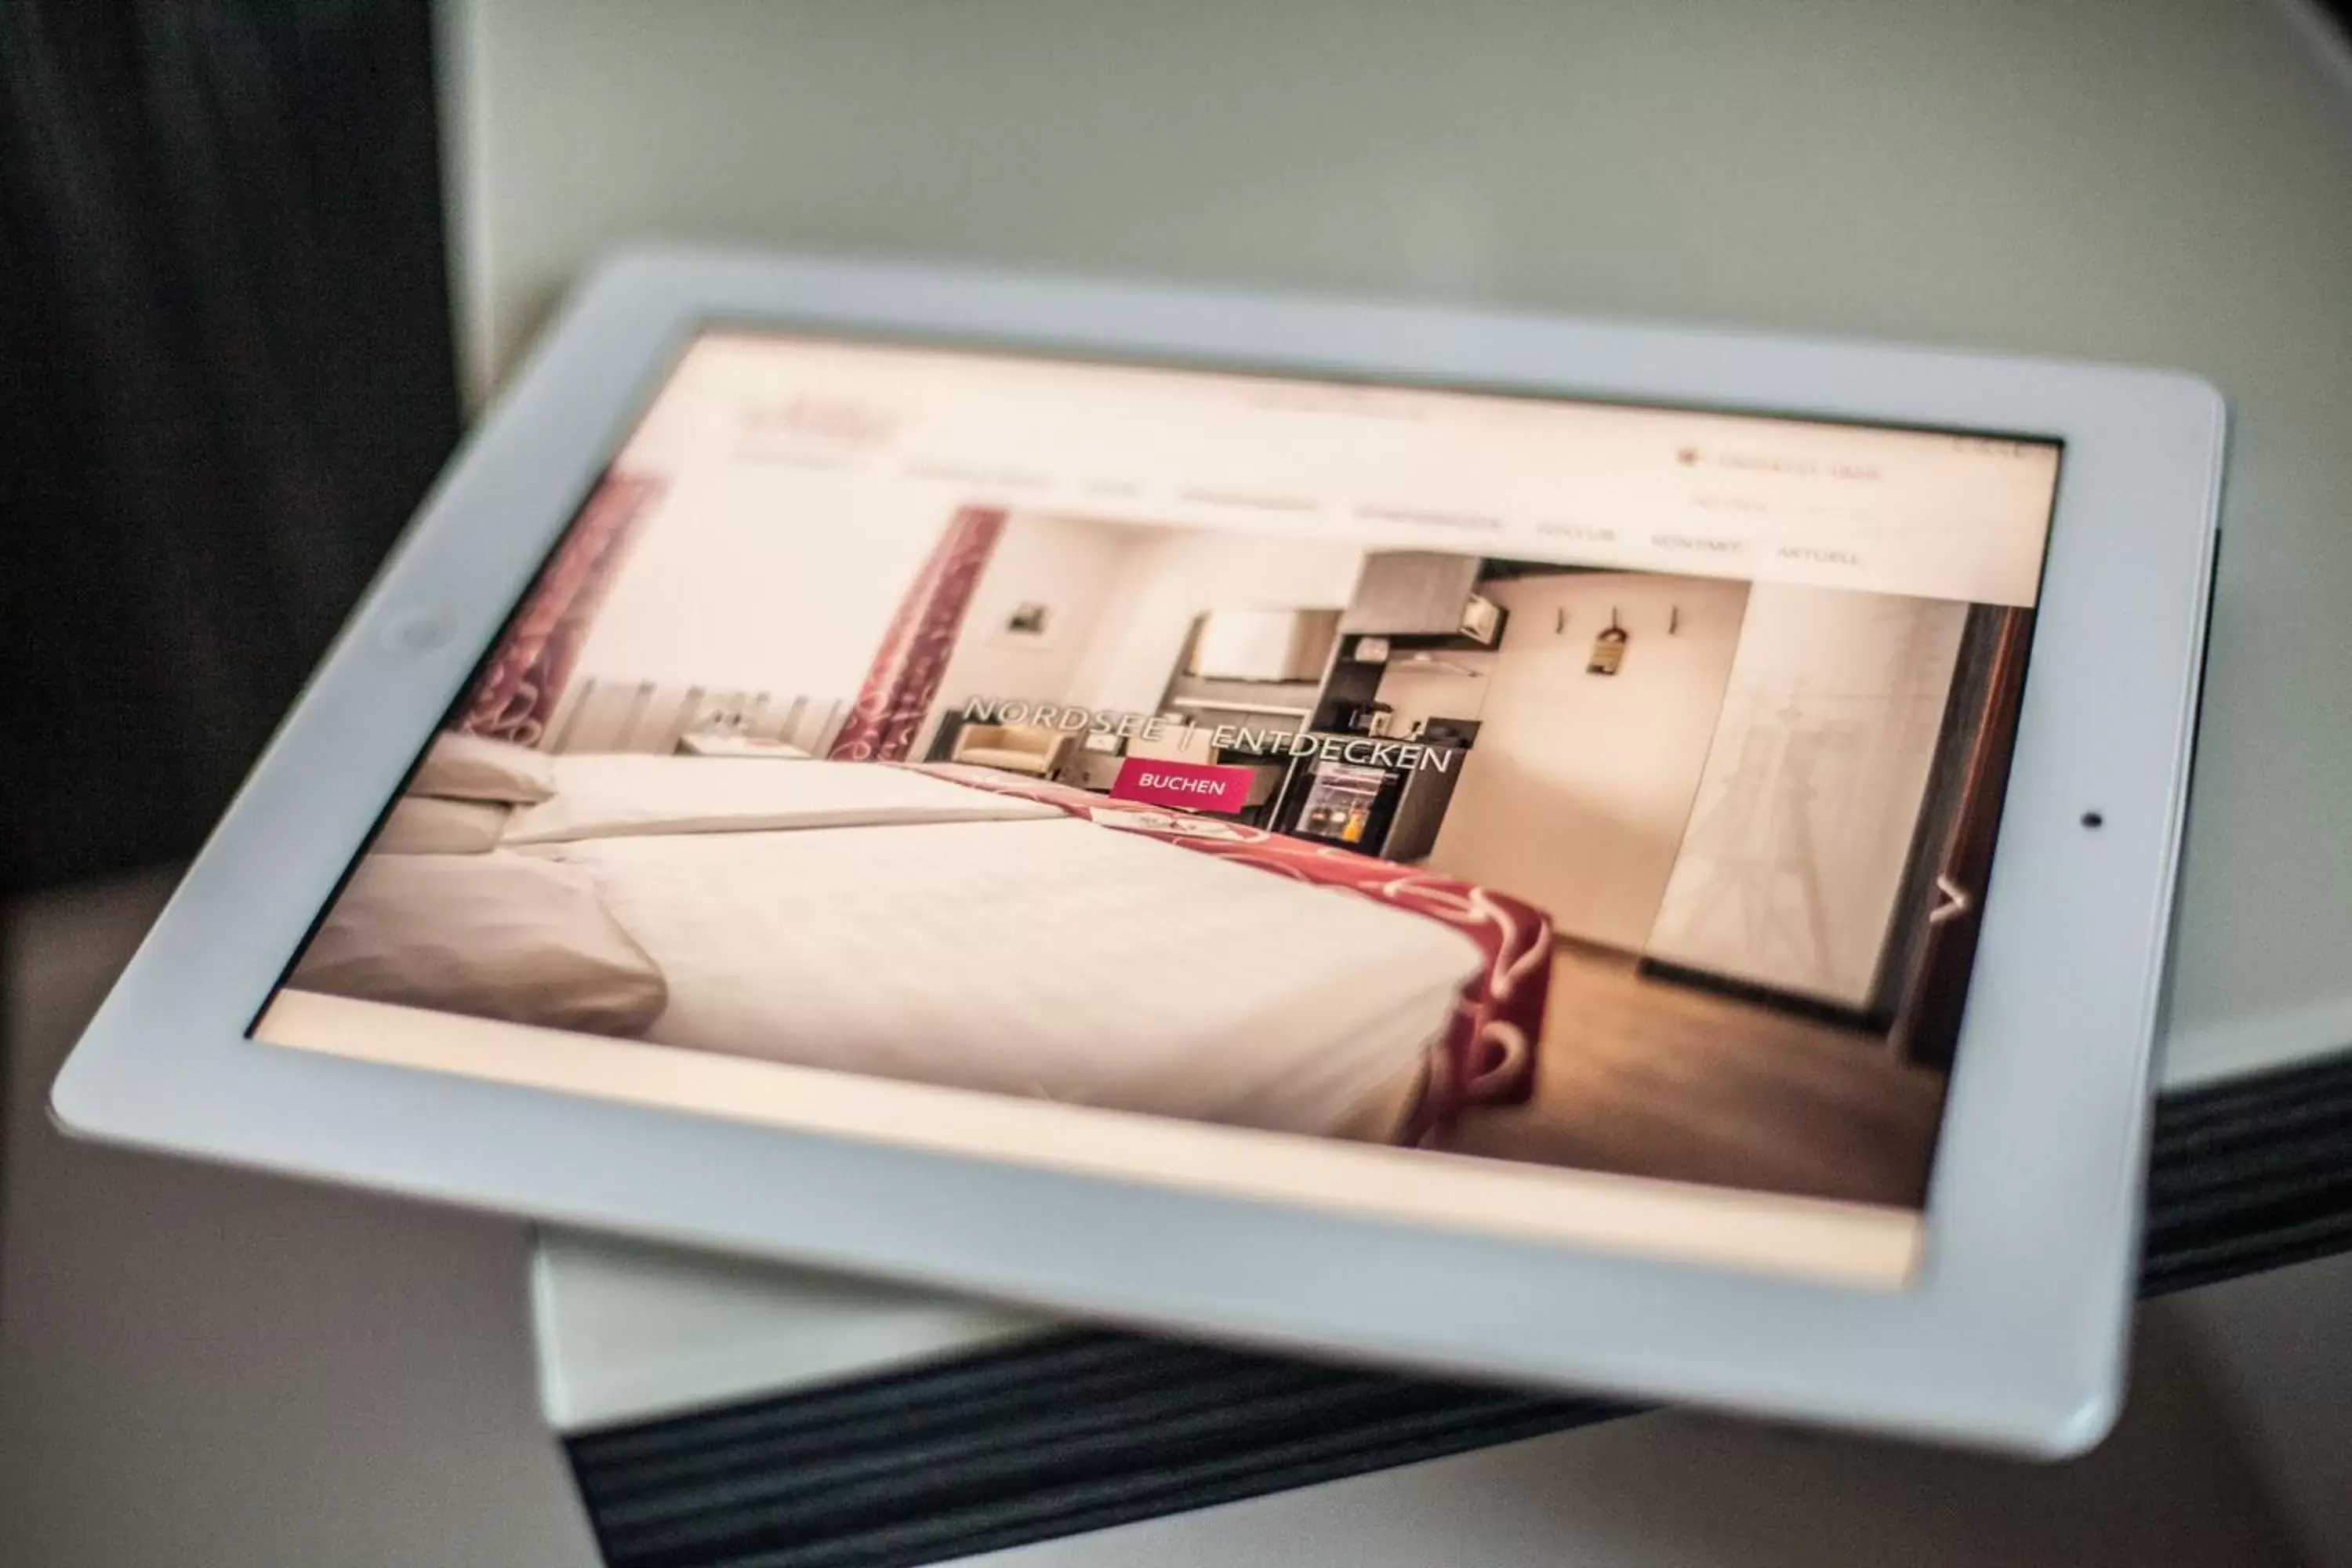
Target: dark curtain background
(226, 378)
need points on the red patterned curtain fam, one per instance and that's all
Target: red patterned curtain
(515, 698)
(906, 674)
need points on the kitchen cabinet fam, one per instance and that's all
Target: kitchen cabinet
(1413, 593)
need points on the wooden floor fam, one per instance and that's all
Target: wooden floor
(1650, 1078)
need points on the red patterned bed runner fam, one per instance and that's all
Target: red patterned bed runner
(1490, 1046)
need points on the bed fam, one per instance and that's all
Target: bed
(957, 927)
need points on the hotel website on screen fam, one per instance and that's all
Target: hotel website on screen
(1562, 818)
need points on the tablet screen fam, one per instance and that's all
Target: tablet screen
(1565, 819)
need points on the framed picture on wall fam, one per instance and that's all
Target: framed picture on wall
(1029, 623)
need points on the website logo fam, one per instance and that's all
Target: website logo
(820, 417)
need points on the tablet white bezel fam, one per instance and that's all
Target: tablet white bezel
(2011, 1335)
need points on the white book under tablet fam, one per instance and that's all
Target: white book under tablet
(1631, 859)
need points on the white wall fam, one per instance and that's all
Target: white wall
(1430, 693)
(1577, 792)
(1163, 586)
(1072, 566)
(766, 579)
(784, 581)
(1129, 595)
(1796, 844)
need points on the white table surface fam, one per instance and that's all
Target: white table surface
(202, 1368)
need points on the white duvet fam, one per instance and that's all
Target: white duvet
(1037, 956)
(603, 796)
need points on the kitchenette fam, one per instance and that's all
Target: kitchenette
(1347, 723)
(1354, 723)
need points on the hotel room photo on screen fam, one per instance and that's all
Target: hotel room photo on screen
(1497, 777)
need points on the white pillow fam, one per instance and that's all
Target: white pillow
(474, 767)
(624, 795)
(493, 936)
(427, 824)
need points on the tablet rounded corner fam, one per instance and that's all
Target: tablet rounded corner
(2198, 403)
(2081, 1426)
(2211, 403)
(74, 1104)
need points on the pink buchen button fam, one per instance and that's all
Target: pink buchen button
(1194, 787)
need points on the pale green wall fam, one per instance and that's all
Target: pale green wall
(2166, 182)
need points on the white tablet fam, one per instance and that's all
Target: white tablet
(1623, 858)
